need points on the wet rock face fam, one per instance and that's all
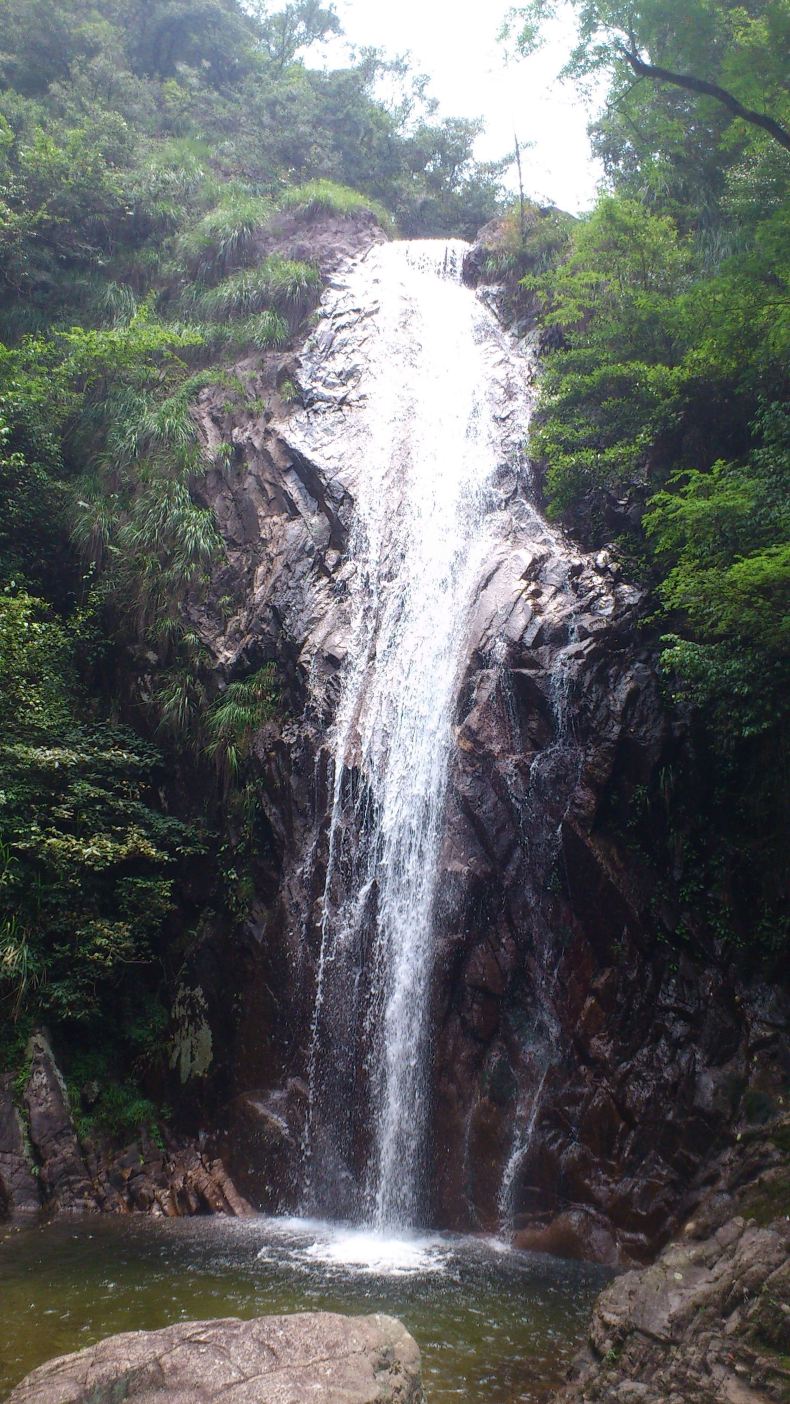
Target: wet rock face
(590, 1070)
(320, 1356)
(583, 1073)
(19, 1192)
(261, 1136)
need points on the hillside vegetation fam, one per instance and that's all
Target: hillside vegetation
(664, 423)
(146, 148)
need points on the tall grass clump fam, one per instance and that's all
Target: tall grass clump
(277, 283)
(263, 331)
(327, 197)
(224, 238)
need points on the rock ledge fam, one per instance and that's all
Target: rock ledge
(708, 1323)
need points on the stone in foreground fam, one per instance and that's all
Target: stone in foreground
(317, 1356)
(708, 1323)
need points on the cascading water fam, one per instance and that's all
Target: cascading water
(437, 407)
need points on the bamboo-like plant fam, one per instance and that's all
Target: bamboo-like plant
(235, 717)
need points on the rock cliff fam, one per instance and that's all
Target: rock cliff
(587, 1062)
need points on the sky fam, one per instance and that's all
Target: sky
(455, 42)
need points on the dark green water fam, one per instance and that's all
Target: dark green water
(494, 1326)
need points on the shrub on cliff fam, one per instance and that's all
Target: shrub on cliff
(662, 422)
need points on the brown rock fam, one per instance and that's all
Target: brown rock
(261, 1143)
(576, 1234)
(65, 1182)
(19, 1192)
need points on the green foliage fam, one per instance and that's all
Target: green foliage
(328, 197)
(658, 392)
(283, 284)
(115, 1107)
(726, 536)
(87, 865)
(156, 142)
(722, 44)
(236, 716)
(289, 392)
(226, 237)
(166, 545)
(531, 241)
(662, 414)
(37, 672)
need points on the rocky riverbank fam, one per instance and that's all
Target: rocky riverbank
(709, 1321)
(46, 1165)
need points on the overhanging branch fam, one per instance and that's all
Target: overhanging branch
(700, 85)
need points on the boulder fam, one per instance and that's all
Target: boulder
(320, 1356)
(708, 1322)
(65, 1181)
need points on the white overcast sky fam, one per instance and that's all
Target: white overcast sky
(455, 43)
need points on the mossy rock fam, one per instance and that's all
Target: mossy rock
(769, 1198)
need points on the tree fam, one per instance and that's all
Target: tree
(721, 52)
(289, 31)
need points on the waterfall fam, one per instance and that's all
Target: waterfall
(422, 408)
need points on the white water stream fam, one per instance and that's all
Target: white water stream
(440, 404)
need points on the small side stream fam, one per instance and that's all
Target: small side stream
(495, 1326)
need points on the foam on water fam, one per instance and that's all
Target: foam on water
(313, 1242)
